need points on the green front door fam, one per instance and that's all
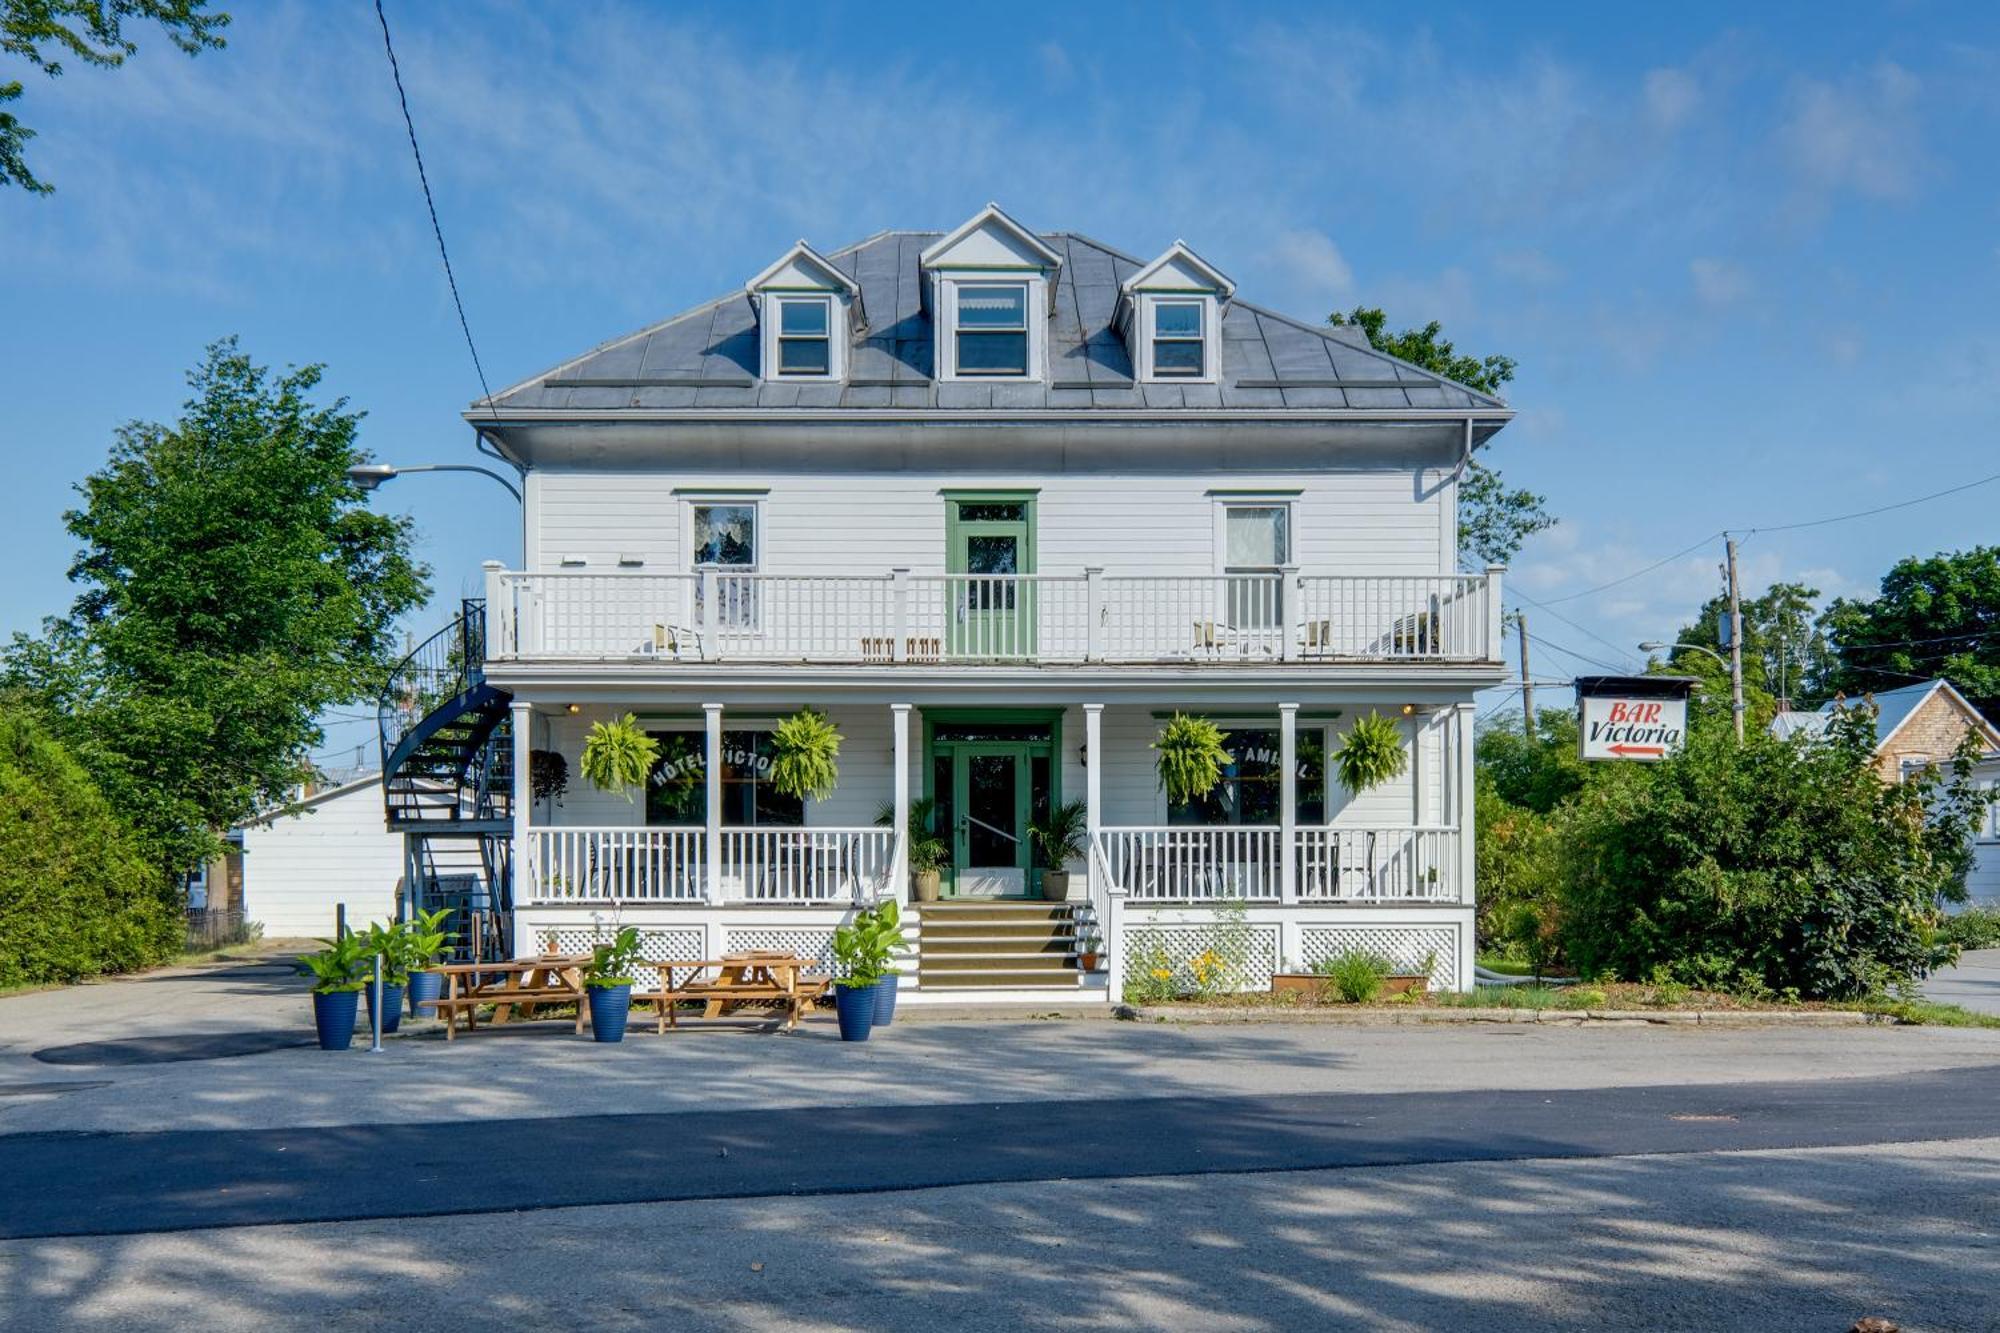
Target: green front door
(992, 799)
(991, 608)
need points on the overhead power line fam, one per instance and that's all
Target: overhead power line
(423, 178)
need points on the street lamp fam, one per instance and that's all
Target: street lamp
(1654, 646)
(370, 475)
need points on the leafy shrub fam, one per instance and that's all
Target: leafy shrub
(1973, 928)
(1354, 976)
(1518, 871)
(76, 896)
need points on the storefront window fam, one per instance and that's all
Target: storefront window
(677, 792)
(1248, 792)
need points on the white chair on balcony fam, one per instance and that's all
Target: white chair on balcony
(677, 642)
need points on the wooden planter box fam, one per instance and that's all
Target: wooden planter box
(1311, 983)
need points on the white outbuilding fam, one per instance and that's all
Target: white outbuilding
(333, 848)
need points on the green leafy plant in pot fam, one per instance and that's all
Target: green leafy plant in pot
(1059, 836)
(861, 954)
(1190, 757)
(805, 755)
(337, 972)
(1088, 944)
(392, 940)
(428, 941)
(607, 982)
(1371, 754)
(929, 853)
(618, 756)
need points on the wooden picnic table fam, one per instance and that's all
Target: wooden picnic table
(524, 985)
(753, 976)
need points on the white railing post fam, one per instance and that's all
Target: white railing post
(710, 619)
(899, 862)
(899, 623)
(1093, 613)
(520, 804)
(711, 716)
(1467, 891)
(1288, 802)
(1281, 611)
(497, 644)
(1496, 623)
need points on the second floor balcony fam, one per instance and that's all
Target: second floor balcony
(900, 617)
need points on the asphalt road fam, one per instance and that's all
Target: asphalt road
(84, 1184)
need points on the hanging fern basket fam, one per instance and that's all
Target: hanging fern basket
(1371, 755)
(1190, 757)
(805, 755)
(619, 756)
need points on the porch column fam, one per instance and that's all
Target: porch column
(899, 863)
(1093, 773)
(1462, 802)
(1104, 895)
(1288, 803)
(521, 868)
(711, 716)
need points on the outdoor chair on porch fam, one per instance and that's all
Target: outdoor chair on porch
(677, 642)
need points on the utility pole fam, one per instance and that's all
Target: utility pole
(1527, 681)
(1735, 642)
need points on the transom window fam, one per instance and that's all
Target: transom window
(992, 328)
(805, 341)
(1177, 338)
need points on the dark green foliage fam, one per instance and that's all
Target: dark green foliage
(1770, 867)
(76, 896)
(1354, 976)
(1784, 649)
(41, 32)
(618, 755)
(1190, 757)
(862, 949)
(1493, 521)
(805, 755)
(1936, 616)
(344, 964)
(1370, 754)
(1060, 836)
(235, 586)
(1973, 928)
(1536, 774)
(928, 851)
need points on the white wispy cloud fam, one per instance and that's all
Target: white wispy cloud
(1718, 282)
(1317, 271)
(1860, 133)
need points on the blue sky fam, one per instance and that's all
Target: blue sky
(1749, 266)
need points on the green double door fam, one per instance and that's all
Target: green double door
(995, 790)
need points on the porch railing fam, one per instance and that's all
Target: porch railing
(899, 616)
(1183, 863)
(805, 865)
(669, 865)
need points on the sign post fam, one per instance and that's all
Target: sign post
(1640, 718)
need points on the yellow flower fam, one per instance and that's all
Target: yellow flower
(1163, 974)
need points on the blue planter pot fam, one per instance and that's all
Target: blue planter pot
(855, 1007)
(885, 1001)
(392, 1006)
(425, 988)
(610, 1006)
(333, 1015)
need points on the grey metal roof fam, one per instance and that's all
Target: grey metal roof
(707, 357)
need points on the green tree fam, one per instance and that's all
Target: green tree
(235, 586)
(1934, 616)
(1784, 651)
(42, 32)
(76, 896)
(1536, 772)
(1493, 521)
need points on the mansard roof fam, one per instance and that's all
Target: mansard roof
(707, 358)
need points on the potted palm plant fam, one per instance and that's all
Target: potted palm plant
(1059, 835)
(392, 942)
(428, 939)
(929, 853)
(607, 980)
(336, 971)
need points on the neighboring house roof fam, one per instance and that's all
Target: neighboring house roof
(1893, 708)
(707, 357)
(367, 779)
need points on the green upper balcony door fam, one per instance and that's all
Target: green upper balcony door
(990, 607)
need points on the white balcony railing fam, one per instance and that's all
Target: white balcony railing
(1183, 863)
(627, 865)
(669, 865)
(718, 615)
(805, 865)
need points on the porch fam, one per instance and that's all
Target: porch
(899, 616)
(713, 860)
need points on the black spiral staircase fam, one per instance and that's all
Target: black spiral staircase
(447, 782)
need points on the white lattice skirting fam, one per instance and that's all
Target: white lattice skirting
(660, 944)
(805, 941)
(1405, 946)
(1183, 944)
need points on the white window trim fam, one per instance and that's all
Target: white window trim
(1223, 504)
(1211, 341)
(945, 304)
(770, 320)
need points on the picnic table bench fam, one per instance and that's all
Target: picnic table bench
(525, 985)
(757, 976)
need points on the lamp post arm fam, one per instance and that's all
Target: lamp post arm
(465, 467)
(1697, 648)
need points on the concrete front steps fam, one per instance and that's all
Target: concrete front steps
(1004, 944)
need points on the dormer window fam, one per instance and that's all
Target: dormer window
(1177, 339)
(805, 335)
(992, 329)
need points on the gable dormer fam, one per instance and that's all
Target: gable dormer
(808, 314)
(987, 284)
(1170, 312)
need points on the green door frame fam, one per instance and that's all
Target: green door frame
(1007, 629)
(934, 748)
